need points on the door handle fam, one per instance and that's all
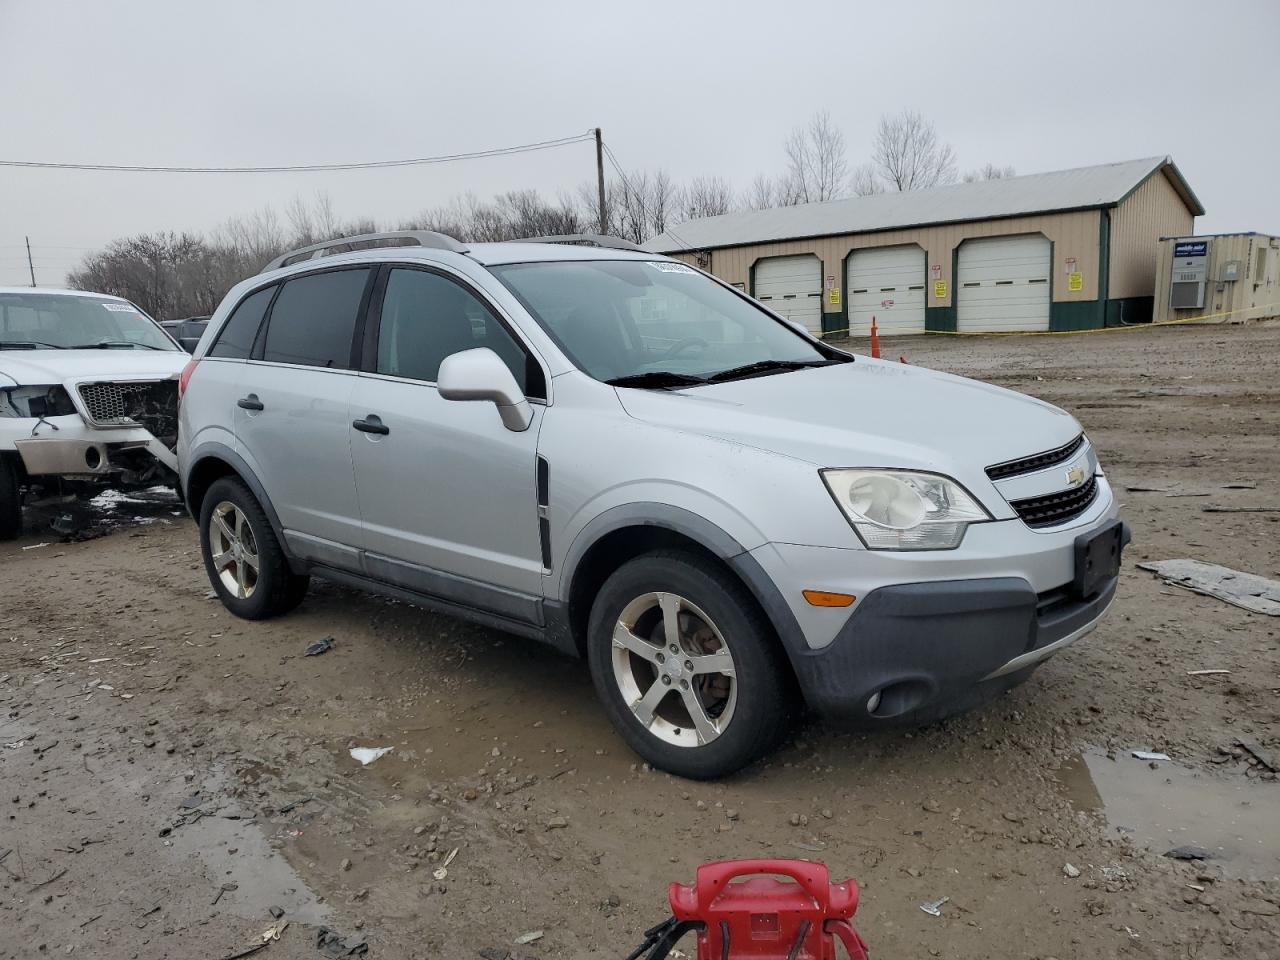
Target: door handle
(372, 424)
(251, 402)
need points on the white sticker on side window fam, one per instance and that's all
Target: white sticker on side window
(121, 307)
(664, 267)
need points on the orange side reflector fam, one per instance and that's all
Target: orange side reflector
(820, 598)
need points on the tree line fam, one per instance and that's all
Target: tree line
(181, 274)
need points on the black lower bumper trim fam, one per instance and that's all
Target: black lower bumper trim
(926, 647)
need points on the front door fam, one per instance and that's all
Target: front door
(447, 493)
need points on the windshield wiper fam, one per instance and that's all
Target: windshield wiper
(113, 345)
(761, 367)
(658, 379)
(29, 345)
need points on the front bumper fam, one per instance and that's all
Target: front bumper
(68, 447)
(920, 651)
(931, 633)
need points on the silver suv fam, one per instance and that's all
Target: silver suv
(617, 454)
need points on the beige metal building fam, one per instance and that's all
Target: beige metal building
(1231, 276)
(1067, 250)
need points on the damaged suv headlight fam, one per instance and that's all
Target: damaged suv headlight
(41, 401)
(904, 510)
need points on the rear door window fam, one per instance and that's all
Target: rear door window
(314, 318)
(235, 342)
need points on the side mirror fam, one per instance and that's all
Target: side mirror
(480, 374)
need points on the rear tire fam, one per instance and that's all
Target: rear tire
(669, 695)
(244, 560)
(10, 500)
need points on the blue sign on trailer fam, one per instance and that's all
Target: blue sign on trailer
(1191, 248)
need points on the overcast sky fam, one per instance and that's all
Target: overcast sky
(692, 87)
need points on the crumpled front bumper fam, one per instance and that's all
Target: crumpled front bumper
(68, 447)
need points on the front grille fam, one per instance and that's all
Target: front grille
(112, 404)
(150, 404)
(1039, 461)
(1052, 509)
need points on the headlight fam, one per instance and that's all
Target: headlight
(902, 510)
(42, 401)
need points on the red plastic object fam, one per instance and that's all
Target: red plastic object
(767, 917)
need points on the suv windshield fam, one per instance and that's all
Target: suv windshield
(59, 321)
(656, 323)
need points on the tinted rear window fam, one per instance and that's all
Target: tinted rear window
(314, 319)
(238, 333)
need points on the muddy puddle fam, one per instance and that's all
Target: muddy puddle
(254, 876)
(1235, 819)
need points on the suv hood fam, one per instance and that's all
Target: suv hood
(869, 413)
(38, 367)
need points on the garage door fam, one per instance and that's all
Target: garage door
(792, 286)
(1003, 284)
(886, 283)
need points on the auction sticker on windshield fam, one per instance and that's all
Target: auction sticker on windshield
(121, 307)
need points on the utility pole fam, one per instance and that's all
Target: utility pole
(30, 265)
(604, 214)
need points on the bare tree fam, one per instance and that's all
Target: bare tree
(864, 181)
(706, 197)
(908, 154)
(989, 171)
(817, 162)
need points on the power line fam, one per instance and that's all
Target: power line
(308, 167)
(640, 197)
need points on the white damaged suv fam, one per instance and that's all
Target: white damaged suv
(88, 398)
(586, 444)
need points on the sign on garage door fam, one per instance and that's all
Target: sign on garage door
(1002, 283)
(791, 286)
(886, 283)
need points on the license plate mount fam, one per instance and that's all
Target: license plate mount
(1098, 558)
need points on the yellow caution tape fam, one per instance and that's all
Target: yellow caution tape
(1060, 333)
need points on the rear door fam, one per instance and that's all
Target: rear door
(447, 493)
(292, 417)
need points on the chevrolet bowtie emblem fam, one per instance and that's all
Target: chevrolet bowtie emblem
(1075, 476)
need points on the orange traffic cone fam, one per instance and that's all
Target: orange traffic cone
(875, 340)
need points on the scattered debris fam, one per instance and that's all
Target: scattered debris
(332, 944)
(1253, 748)
(225, 888)
(1205, 673)
(366, 755)
(529, 937)
(1244, 485)
(557, 823)
(1148, 755)
(319, 647)
(1070, 871)
(934, 907)
(296, 803)
(35, 546)
(51, 879)
(1242, 509)
(1244, 590)
(1189, 853)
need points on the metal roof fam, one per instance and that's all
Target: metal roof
(1060, 190)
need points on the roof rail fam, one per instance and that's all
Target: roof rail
(587, 240)
(417, 238)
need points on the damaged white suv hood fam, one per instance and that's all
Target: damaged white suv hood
(39, 367)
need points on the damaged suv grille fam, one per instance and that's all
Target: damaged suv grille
(152, 405)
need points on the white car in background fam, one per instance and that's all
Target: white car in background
(88, 398)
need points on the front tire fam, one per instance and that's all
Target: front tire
(244, 560)
(10, 500)
(687, 666)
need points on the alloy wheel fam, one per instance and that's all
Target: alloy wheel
(674, 669)
(234, 550)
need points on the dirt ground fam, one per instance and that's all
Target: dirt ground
(169, 773)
